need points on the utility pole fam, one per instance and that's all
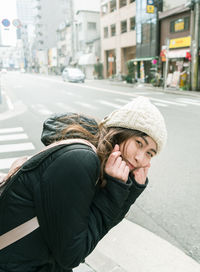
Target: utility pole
(195, 47)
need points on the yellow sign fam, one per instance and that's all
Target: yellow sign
(150, 9)
(179, 26)
(180, 42)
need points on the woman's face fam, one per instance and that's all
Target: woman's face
(138, 151)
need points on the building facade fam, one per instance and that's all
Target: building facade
(87, 40)
(175, 44)
(118, 35)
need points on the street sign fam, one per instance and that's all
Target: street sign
(5, 22)
(150, 9)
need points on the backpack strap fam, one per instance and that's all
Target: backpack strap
(19, 232)
(24, 229)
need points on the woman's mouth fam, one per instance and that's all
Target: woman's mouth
(131, 166)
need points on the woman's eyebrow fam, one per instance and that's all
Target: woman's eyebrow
(146, 142)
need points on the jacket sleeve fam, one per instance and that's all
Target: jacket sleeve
(73, 216)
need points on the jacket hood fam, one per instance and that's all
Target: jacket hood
(55, 124)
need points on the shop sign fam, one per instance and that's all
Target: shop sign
(150, 9)
(179, 26)
(150, 6)
(180, 42)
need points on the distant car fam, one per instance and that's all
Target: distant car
(73, 75)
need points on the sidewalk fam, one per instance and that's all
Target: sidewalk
(148, 86)
(131, 248)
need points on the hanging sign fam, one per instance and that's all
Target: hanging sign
(150, 6)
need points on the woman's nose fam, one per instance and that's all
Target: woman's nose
(140, 159)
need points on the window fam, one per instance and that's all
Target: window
(113, 30)
(132, 23)
(92, 26)
(123, 26)
(122, 3)
(105, 32)
(80, 27)
(146, 31)
(104, 9)
(113, 5)
(181, 24)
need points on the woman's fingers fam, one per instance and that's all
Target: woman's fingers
(140, 174)
(115, 166)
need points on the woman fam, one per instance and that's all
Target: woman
(79, 195)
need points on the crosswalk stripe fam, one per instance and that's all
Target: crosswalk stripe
(189, 101)
(109, 104)
(160, 104)
(123, 100)
(11, 130)
(16, 147)
(168, 102)
(86, 105)
(10, 137)
(40, 108)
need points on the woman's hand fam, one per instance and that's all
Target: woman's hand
(140, 174)
(116, 167)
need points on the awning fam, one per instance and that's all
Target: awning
(143, 59)
(87, 59)
(175, 54)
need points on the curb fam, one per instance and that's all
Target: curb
(129, 247)
(150, 87)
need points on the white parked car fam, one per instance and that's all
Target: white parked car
(73, 75)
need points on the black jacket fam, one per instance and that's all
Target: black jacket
(74, 213)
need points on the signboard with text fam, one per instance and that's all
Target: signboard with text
(150, 6)
(180, 42)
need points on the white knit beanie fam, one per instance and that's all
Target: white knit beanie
(140, 114)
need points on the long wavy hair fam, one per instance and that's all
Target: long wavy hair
(104, 139)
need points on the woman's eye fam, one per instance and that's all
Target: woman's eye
(150, 154)
(139, 143)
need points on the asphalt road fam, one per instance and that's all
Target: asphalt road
(170, 205)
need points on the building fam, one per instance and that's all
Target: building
(25, 31)
(48, 17)
(87, 40)
(64, 45)
(118, 35)
(175, 44)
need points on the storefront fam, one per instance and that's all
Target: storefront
(177, 61)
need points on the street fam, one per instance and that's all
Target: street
(169, 206)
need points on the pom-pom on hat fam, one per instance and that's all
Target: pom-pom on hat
(140, 114)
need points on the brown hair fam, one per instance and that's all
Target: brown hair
(104, 140)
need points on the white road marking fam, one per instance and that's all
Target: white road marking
(189, 101)
(109, 104)
(160, 104)
(123, 100)
(9, 103)
(86, 105)
(10, 137)
(11, 130)
(16, 147)
(42, 109)
(168, 102)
